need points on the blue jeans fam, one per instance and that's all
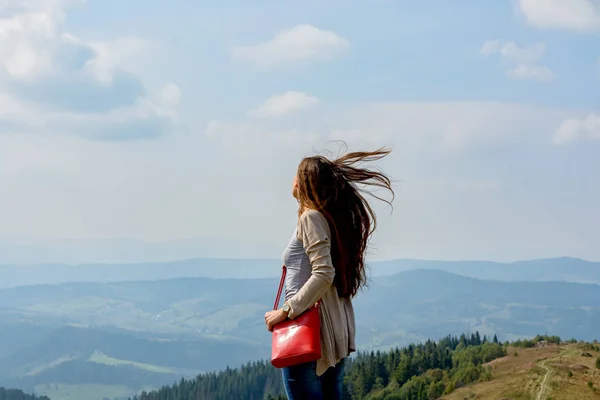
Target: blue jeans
(302, 383)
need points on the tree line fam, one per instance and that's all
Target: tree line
(15, 394)
(417, 372)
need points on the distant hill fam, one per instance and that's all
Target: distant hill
(557, 269)
(565, 269)
(565, 372)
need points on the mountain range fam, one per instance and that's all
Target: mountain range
(557, 269)
(117, 338)
(110, 331)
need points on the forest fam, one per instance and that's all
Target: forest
(416, 372)
(14, 394)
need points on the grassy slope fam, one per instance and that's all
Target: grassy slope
(538, 374)
(38, 368)
(101, 358)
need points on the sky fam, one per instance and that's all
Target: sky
(151, 130)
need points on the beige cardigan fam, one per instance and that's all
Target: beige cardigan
(337, 314)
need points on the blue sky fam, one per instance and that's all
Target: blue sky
(184, 121)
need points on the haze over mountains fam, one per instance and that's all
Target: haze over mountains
(556, 269)
(27, 250)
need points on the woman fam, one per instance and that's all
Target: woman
(325, 261)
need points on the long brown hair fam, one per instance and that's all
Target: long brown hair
(332, 187)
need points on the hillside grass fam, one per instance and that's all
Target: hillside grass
(554, 372)
(42, 367)
(101, 358)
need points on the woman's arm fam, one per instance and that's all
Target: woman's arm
(315, 235)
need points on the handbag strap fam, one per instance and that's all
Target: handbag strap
(278, 298)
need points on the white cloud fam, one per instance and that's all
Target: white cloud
(62, 84)
(454, 125)
(450, 126)
(522, 55)
(572, 15)
(284, 104)
(574, 128)
(538, 73)
(36, 5)
(303, 42)
(138, 121)
(29, 43)
(171, 95)
(522, 60)
(45, 64)
(567, 131)
(123, 54)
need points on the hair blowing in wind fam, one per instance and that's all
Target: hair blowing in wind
(335, 188)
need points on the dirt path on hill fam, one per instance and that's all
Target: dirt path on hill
(544, 386)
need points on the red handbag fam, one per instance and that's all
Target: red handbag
(296, 341)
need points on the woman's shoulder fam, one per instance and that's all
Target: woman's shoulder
(310, 215)
(312, 220)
